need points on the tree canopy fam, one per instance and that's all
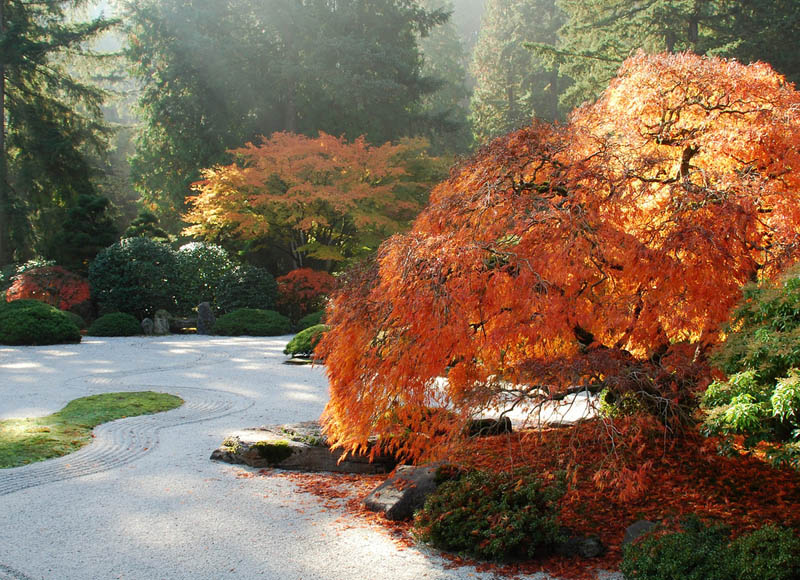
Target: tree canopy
(604, 252)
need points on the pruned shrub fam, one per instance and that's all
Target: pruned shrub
(252, 322)
(494, 516)
(52, 285)
(310, 320)
(137, 276)
(304, 341)
(701, 551)
(115, 324)
(303, 291)
(30, 322)
(76, 319)
(202, 267)
(246, 287)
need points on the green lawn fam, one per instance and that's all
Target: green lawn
(24, 441)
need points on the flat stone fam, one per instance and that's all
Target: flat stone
(298, 447)
(404, 492)
(636, 530)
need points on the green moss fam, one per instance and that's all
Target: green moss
(273, 451)
(304, 341)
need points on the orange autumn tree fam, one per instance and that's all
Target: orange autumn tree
(606, 252)
(53, 285)
(321, 198)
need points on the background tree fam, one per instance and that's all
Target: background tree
(512, 84)
(321, 200)
(51, 122)
(604, 254)
(217, 74)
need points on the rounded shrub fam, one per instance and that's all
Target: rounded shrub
(137, 276)
(115, 324)
(76, 319)
(494, 516)
(246, 287)
(304, 341)
(310, 320)
(202, 268)
(252, 322)
(30, 322)
(700, 551)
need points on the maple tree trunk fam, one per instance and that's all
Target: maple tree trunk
(5, 246)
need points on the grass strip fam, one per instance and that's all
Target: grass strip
(24, 441)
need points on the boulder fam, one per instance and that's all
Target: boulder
(584, 547)
(161, 322)
(299, 446)
(147, 326)
(404, 492)
(205, 318)
(636, 530)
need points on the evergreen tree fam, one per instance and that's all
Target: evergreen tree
(219, 73)
(50, 121)
(512, 83)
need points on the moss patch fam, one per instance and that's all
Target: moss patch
(273, 451)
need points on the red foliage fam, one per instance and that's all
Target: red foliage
(574, 255)
(50, 284)
(303, 291)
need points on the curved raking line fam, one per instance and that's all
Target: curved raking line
(125, 440)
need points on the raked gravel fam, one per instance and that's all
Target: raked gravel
(144, 502)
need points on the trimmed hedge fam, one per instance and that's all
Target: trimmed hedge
(30, 322)
(252, 322)
(115, 324)
(304, 341)
(310, 320)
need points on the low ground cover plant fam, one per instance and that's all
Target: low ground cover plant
(24, 441)
(303, 343)
(701, 551)
(30, 322)
(252, 322)
(115, 324)
(490, 515)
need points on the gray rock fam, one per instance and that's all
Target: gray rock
(161, 322)
(573, 546)
(299, 447)
(147, 326)
(404, 493)
(487, 427)
(636, 530)
(205, 318)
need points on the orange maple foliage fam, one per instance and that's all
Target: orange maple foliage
(53, 285)
(325, 196)
(597, 253)
(303, 291)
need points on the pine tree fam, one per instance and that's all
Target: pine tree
(51, 121)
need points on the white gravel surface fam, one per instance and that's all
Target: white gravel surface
(145, 502)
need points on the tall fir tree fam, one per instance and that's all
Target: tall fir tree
(51, 122)
(512, 83)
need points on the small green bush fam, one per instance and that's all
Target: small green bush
(252, 322)
(115, 324)
(76, 319)
(30, 322)
(705, 552)
(309, 320)
(304, 341)
(137, 276)
(495, 516)
(246, 287)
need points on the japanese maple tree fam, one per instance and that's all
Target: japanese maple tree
(605, 252)
(53, 285)
(322, 197)
(303, 291)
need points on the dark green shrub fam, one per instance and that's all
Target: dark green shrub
(203, 267)
(137, 276)
(761, 355)
(705, 552)
(304, 341)
(76, 319)
(495, 516)
(252, 322)
(115, 324)
(30, 322)
(246, 287)
(310, 320)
